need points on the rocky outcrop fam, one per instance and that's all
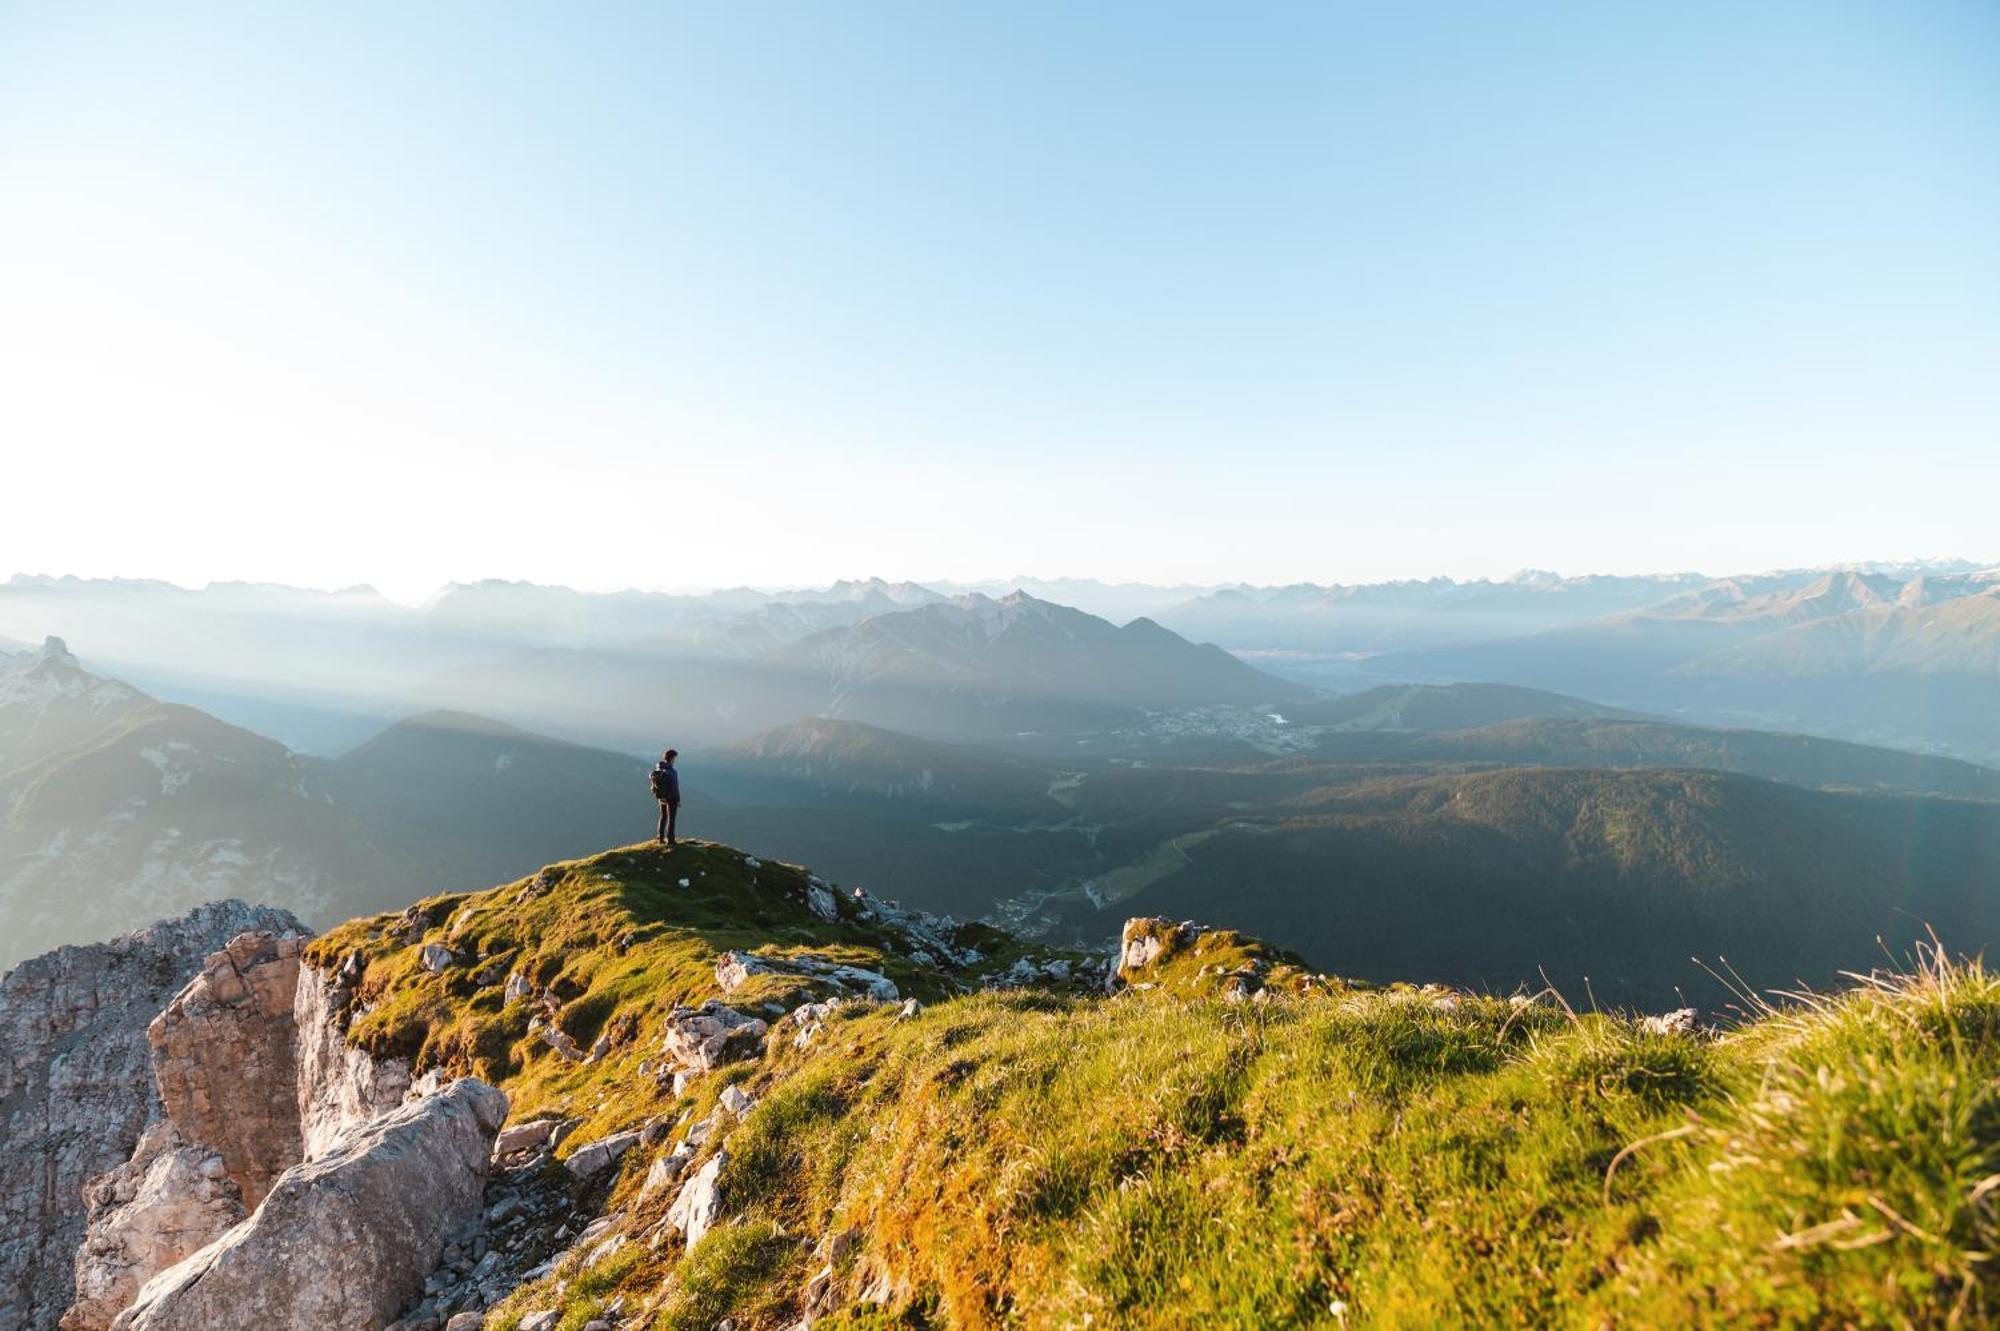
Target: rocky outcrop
(76, 1086)
(338, 1085)
(168, 1201)
(223, 1057)
(347, 1238)
(1144, 940)
(735, 969)
(704, 1038)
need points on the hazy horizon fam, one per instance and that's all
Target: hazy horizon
(955, 585)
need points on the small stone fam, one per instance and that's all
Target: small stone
(437, 957)
(590, 1161)
(1681, 1021)
(664, 1170)
(821, 903)
(524, 1136)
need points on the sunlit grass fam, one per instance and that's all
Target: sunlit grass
(1324, 1157)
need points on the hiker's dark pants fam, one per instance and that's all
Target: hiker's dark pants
(667, 814)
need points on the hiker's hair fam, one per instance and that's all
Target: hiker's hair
(671, 754)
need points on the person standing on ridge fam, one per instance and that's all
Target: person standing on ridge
(667, 790)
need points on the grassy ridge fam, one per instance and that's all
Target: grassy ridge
(1325, 1156)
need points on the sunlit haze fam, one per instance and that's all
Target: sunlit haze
(628, 297)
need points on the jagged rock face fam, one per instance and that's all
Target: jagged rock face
(223, 1055)
(76, 1086)
(168, 1201)
(346, 1239)
(338, 1085)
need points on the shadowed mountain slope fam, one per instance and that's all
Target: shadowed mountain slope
(1487, 879)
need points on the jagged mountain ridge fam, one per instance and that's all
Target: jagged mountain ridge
(973, 668)
(1909, 658)
(48, 703)
(118, 806)
(1017, 646)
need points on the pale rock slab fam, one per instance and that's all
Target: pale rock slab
(344, 1239)
(694, 1210)
(168, 1201)
(338, 1085)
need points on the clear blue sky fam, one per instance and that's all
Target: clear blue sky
(405, 293)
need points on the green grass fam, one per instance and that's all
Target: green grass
(1328, 1157)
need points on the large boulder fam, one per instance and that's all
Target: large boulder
(168, 1201)
(223, 1054)
(76, 1086)
(344, 1240)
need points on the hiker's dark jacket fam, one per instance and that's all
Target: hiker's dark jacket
(669, 784)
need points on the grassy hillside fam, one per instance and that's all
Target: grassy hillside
(1323, 1155)
(1439, 707)
(1619, 876)
(471, 800)
(1801, 759)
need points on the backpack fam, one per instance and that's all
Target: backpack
(659, 783)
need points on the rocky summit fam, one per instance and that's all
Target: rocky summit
(77, 1087)
(656, 1090)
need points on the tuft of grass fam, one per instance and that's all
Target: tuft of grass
(730, 1272)
(1852, 1178)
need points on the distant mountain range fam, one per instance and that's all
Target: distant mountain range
(1902, 654)
(322, 671)
(968, 668)
(1912, 661)
(117, 809)
(1399, 616)
(1382, 823)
